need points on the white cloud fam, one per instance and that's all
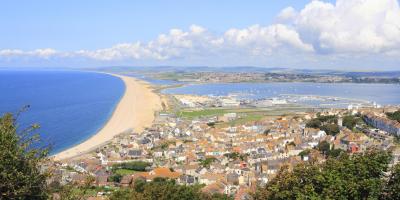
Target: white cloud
(320, 33)
(350, 26)
(41, 53)
(287, 15)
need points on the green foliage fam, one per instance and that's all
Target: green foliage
(77, 192)
(207, 162)
(324, 147)
(326, 123)
(135, 165)
(350, 121)
(234, 155)
(163, 189)
(20, 172)
(334, 153)
(321, 120)
(115, 178)
(124, 172)
(313, 123)
(346, 177)
(331, 129)
(392, 190)
(394, 115)
(202, 113)
(328, 119)
(305, 153)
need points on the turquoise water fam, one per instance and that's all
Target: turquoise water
(70, 106)
(385, 94)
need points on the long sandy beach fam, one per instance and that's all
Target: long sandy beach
(134, 111)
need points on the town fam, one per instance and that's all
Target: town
(268, 77)
(228, 146)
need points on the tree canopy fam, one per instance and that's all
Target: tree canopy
(163, 189)
(394, 115)
(358, 176)
(21, 175)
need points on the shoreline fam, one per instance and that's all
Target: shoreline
(135, 111)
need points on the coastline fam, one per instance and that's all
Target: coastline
(134, 111)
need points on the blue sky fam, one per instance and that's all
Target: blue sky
(92, 24)
(285, 33)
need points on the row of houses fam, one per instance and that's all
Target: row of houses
(385, 124)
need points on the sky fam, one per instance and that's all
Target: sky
(344, 34)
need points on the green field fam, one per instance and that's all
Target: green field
(201, 113)
(124, 172)
(252, 112)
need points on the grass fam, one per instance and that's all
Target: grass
(91, 191)
(247, 114)
(201, 113)
(248, 118)
(174, 76)
(214, 112)
(124, 172)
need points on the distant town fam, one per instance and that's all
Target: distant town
(232, 77)
(258, 74)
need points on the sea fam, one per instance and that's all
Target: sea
(383, 94)
(69, 106)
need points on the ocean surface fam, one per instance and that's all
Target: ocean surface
(384, 94)
(69, 106)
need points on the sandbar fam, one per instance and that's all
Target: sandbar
(135, 111)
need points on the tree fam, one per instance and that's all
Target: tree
(350, 121)
(331, 129)
(392, 190)
(21, 175)
(207, 162)
(75, 191)
(394, 115)
(324, 147)
(358, 176)
(164, 189)
(313, 123)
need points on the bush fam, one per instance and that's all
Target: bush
(135, 165)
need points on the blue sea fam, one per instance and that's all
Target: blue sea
(384, 94)
(69, 106)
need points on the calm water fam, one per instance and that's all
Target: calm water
(386, 94)
(155, 81)
(69, 106)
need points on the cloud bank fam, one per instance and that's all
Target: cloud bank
(359, 34)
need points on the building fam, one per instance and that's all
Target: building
(390, 126)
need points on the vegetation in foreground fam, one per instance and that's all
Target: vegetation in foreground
(358, 176)
(163, 189)
(21, 176)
